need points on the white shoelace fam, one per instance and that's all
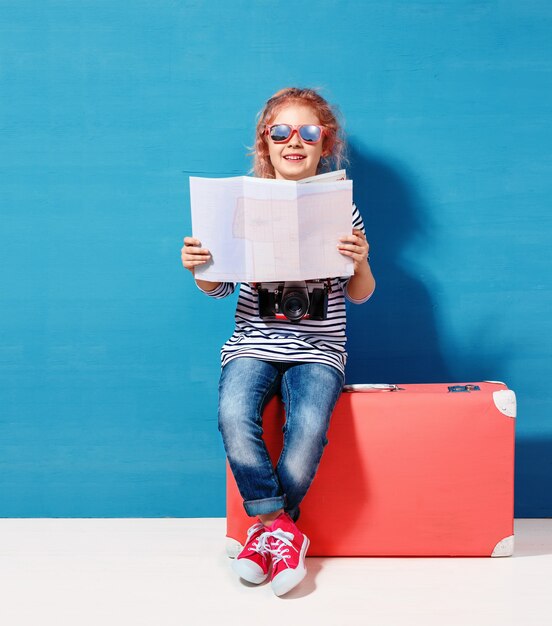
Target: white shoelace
(259, 545)
(279, 548)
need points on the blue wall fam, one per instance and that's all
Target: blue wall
(108, 353)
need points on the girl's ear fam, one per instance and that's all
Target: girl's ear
(328, 147)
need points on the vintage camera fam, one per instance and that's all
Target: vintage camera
(294, 300)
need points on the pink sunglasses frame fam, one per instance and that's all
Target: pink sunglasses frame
(295, 129)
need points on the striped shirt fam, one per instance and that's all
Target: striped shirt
(313, 341)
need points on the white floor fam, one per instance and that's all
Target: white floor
(164, 572)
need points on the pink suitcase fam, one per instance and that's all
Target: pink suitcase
(410, 470)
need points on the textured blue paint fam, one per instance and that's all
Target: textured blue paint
(108, 354)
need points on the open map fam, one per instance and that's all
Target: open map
(261, 230)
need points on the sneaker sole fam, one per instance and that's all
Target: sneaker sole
(284, 583)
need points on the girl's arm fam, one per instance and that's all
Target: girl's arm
(362, 284)
(206, 285)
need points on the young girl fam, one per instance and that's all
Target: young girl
(297, 136)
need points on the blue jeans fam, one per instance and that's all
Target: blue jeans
(309, 392)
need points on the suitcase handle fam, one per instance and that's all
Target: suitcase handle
(371, 388)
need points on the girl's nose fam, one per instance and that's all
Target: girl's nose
(295, 138)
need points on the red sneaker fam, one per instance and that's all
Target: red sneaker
(288, 547)
(253, 562)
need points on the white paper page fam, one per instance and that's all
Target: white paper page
(325, 214)
(272, 230)
(214, 203)
(326, 177)
(262, 230)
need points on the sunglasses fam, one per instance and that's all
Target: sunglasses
(309, 133)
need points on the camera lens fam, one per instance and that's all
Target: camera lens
(295, 305)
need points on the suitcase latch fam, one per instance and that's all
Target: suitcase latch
(371, 387)
(455, 388)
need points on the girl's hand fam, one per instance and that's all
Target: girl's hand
(193, 254)
(356, 247)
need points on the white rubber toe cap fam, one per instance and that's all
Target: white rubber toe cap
(287, 580)
(248, 570)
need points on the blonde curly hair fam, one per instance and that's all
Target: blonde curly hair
(333, 142)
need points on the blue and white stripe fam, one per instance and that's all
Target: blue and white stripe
(315, 341)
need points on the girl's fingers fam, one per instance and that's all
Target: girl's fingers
(195, 254)
(357, 253)
(353, 239)
(192, 254)
(194, 250)
(356, 258)
(354, 246)
(351, 247)
(348, 244)
(194, 263)
(357, 237)
(191, 264)
(191, 244)
(191, 241)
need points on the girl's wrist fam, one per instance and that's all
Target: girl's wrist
(364, 267)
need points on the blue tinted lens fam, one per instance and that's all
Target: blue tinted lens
(280, 132)
(310, 133)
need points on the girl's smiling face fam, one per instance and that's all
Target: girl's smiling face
(307, 156)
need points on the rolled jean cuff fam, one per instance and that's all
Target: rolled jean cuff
(263, 506)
